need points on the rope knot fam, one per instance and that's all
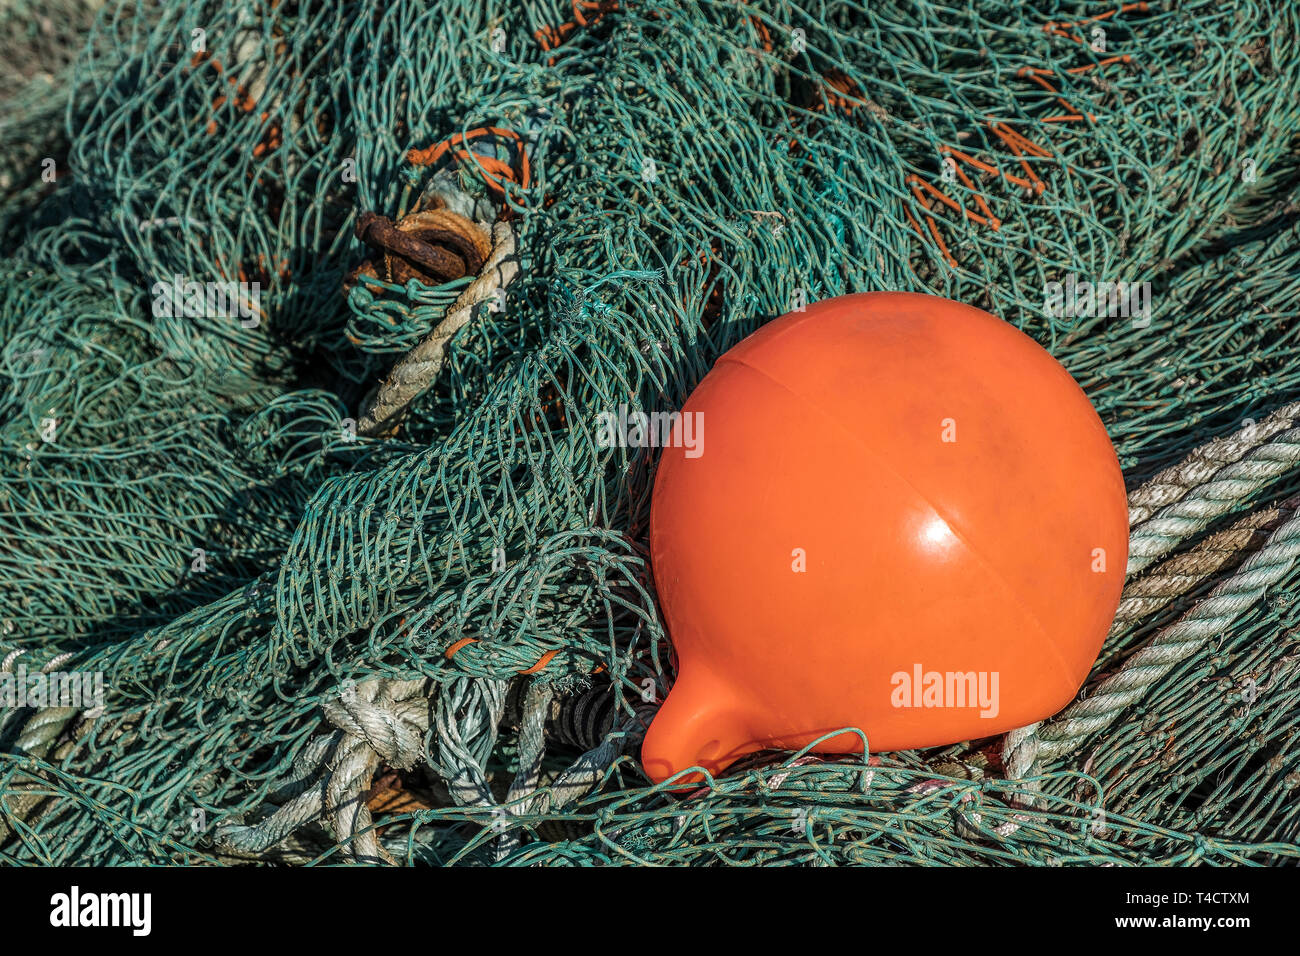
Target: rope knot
(390, 716)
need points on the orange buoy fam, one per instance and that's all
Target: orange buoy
(897, 513)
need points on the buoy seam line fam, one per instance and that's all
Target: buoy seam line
(886, 466)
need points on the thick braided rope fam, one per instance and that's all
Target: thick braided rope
(385, 715)
(255, 840)
(1180, 574)
(305, 793)
(1175, 643)
(305, 796)
(43, 729)
(381, 720)
(307, 765)
(377, 720)
(418, 369)
(532, 747)
(1183, 572)
(345, 803)
(36, 739)
(45, 726)
(1201, 505)
(295, 849)
(1199, 466)
(33, 795)
(1188, 508)
(1020, 753)
(532, 742)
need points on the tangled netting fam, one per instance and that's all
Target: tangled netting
(434, 638)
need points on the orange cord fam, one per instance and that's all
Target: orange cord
(913, 181)
(272, 140)
(541, 662)
(495, 172)
(1018, 146)
(548, 38)
(1015, 143)
(596, 6)
(1055, 28)
(1028, 72)
(840, 92)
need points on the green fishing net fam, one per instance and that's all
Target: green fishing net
(439, 642)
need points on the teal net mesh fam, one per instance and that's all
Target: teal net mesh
(439, 644)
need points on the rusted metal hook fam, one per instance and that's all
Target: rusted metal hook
(433, 246)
